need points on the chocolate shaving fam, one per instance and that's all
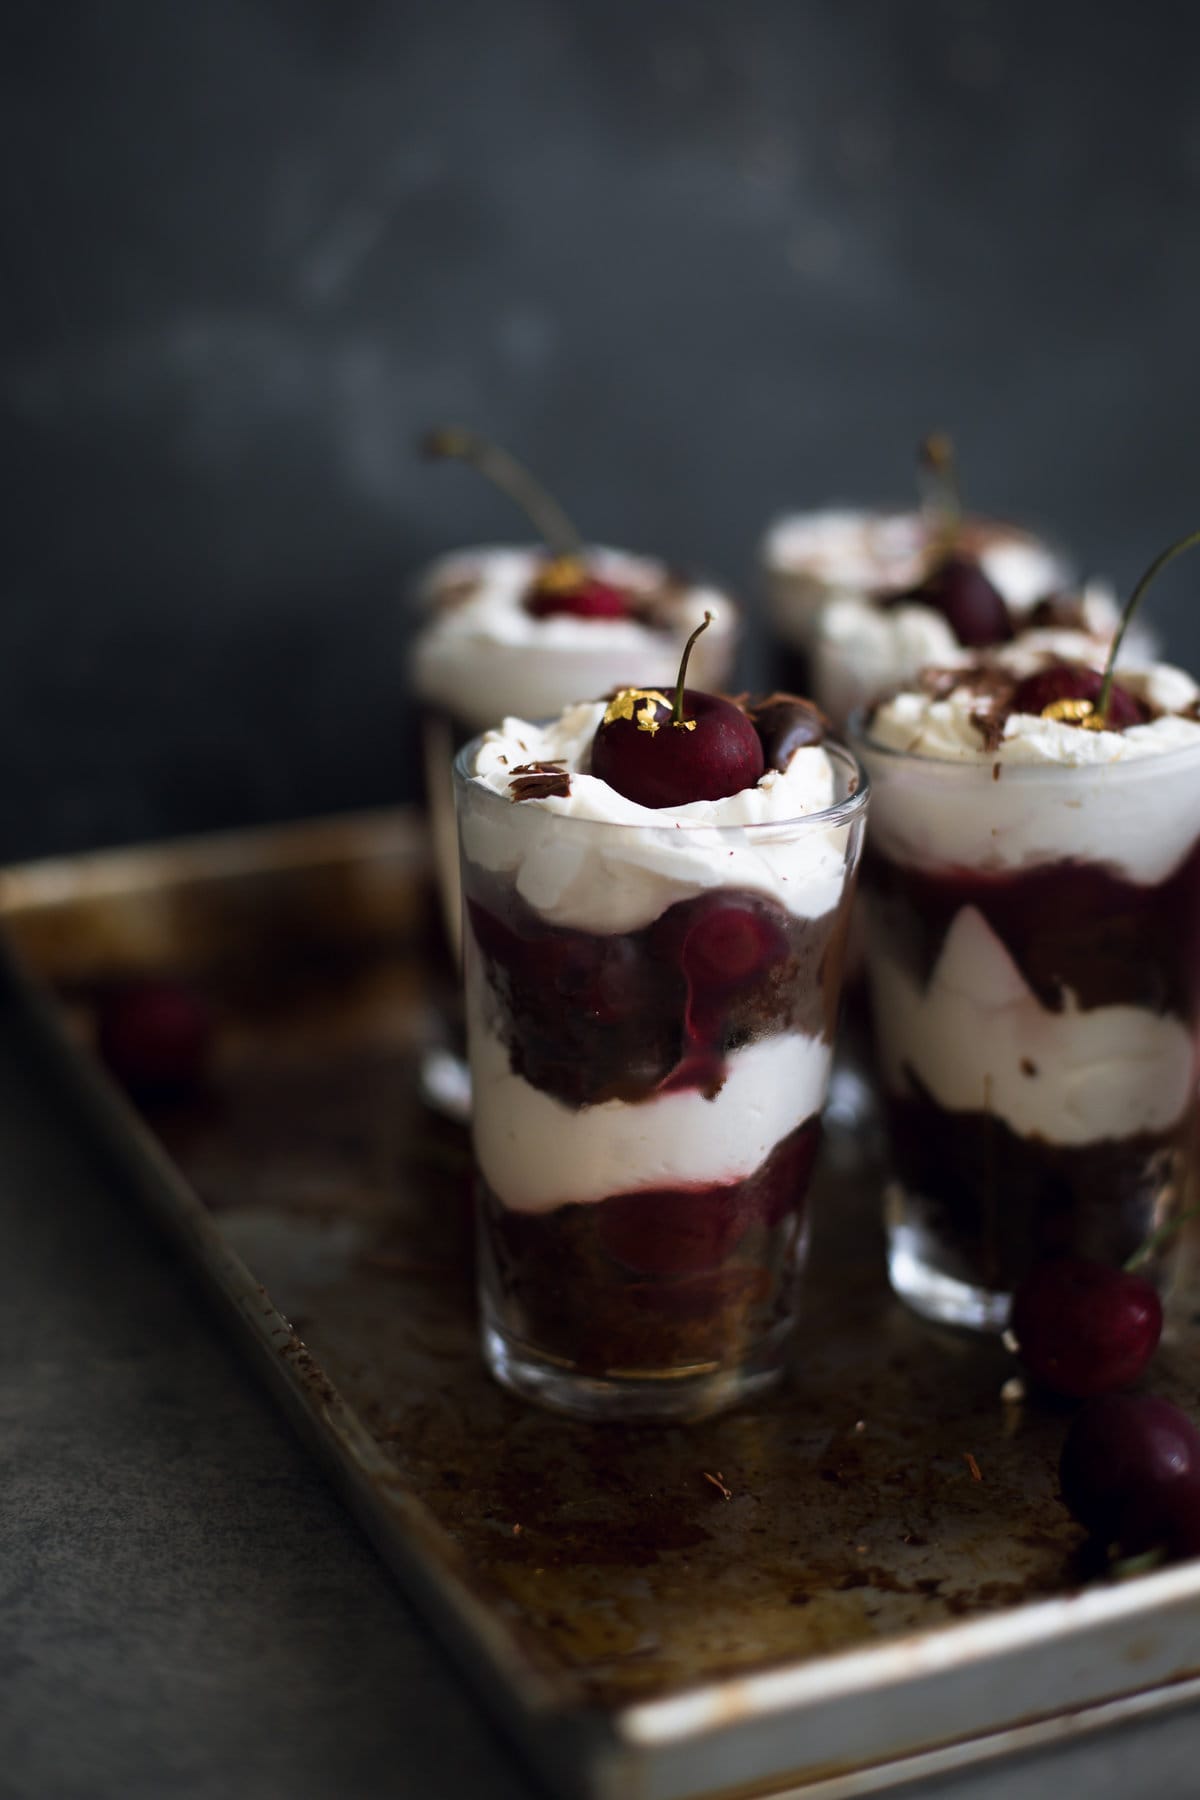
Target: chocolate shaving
(990, 726)
(540, 781)
(991, 688)
(1058, 612)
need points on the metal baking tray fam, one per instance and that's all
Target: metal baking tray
(867, 1580)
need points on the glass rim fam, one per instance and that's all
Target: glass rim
(842, 812)
(983, 768)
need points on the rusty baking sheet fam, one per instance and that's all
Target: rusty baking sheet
(866, 1579)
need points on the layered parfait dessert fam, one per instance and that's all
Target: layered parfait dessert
(1033, 912)
(519, 630)
(860, 600)
(656, 894)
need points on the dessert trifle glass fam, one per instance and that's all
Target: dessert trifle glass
(652, 991)
(849, 616)
(521, 630)
(1032, 893)
(863, 600)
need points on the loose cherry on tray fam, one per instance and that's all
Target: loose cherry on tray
(1083, 1328)
(659, 752)
(564, 586)
(155, 1036)
(1129, 1471)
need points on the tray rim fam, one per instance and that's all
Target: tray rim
(660, 1749)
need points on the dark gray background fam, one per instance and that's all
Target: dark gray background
(696, 261)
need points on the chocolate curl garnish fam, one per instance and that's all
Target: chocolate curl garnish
(456, 442)
(1058, 612)
(540, 781)
(990, 688)
(786, 723)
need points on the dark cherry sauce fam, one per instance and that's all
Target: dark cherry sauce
(992, 1202)
(653, 1279)
(650, 1280)
(627, 1017)
(1067, 925)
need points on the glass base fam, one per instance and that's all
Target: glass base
(939, 1297)
(628, 1398)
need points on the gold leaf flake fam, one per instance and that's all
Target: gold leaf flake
(1071, 712)
(624, 703)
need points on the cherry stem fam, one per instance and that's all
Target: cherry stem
(677, 708)
(512, 478)
(1158, 1238)
(937, 478)
(1131, 605)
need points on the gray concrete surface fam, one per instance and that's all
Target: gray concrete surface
(186, 1612)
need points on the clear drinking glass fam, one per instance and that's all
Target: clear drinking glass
(479, 657)
(650, 1020)
(1033, 943)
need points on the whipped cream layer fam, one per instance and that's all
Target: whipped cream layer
(842, 553)
(598, 862)
(481, 654)
(1049, 791)
(976, 1039)
(861, 650)
(537, 1154)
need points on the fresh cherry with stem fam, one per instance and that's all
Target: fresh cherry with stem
(1074, 694)
(954, 584)
(564, 587)
(663, 752)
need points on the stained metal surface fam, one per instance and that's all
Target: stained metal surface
(841, 1576)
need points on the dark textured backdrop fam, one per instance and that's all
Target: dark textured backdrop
(697, 261)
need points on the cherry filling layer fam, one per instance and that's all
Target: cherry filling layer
(1070, 927)
(648, 1281)
(988, 1200)
(591, 1018)
(989, 1204)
